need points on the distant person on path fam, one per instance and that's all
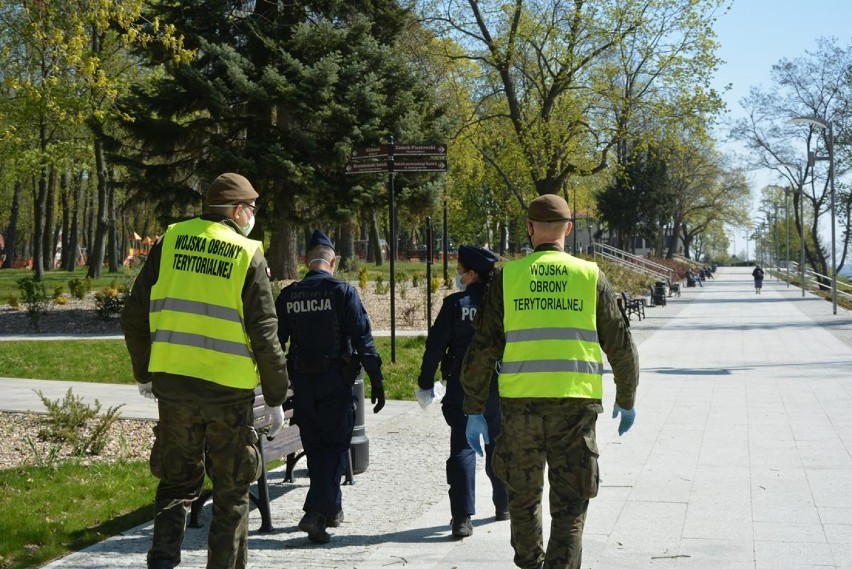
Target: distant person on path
(200, 325)
(329, 337)
(757, 273)
(547, 316)
(446, 344)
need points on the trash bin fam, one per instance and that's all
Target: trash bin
(360, 446)
(660, 293)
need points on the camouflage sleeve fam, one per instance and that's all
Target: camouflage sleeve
(134, 315)
(262, 330)
(486, 349)
(617, 343)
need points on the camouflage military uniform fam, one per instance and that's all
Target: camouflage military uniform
(197, 416)
(558, 432)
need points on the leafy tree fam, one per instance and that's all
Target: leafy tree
(814, 84)
(280, 94)
(563, 84)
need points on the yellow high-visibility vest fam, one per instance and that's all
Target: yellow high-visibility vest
(196, 312)
(552, 349)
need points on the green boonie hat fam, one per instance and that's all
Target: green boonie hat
(230, 189)
(548, 207)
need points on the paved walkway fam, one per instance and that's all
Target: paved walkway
(741, 457)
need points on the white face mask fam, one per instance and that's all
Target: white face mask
(248, 227)
(459, 284)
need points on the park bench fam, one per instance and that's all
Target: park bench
(633, 306)
(286, 445)
(674, 289)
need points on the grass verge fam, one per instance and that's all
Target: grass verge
(53, 510)
(106, 361)
(52, 279)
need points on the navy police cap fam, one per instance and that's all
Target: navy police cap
(319, 238)
(476, 258)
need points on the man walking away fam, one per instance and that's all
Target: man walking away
(547, 316)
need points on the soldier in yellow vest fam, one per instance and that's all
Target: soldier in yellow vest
(547, 316)
(200, 326)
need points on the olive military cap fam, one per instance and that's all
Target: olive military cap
(548, 207)
(230, 189)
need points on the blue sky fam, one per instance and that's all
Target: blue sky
(756, 34)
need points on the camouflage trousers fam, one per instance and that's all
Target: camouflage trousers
(183, 434)
(560, 434)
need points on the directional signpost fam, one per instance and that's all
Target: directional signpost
(381, 159)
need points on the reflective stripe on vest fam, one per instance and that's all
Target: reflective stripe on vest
(552, 349)
(196, 310)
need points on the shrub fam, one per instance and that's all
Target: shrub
(80, 287)
(362, 279)
(57, 292)
(13, 301)
(71, 422)
(34, 297)
(415, 279)
(409, 314)
(435, 285)
(381, 287)
(60, 300)
(110, 301)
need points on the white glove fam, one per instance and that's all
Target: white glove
(146, 390)
(276, 415)
(424, 397)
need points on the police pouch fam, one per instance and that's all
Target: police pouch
(450, 365)
(350, 369)
(250, 468)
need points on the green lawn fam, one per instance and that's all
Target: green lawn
(106, 361)
(54, 510)
(52, 279)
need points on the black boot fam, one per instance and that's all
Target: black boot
(314, 524)
(335, 520)
(462, 526)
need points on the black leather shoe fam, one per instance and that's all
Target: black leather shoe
(501, 516)
(314, 525)
(462, 526)
(335, 520)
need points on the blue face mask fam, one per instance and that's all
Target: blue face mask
(459, 284)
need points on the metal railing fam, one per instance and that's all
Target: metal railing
(634, 262)
(814, 281)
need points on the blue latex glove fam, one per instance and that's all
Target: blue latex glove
(476, 427)
(627, 418)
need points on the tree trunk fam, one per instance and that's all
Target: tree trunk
(375, 241)
(97, 251)
(114, 249)
(65, 202)
(39, 207)
(12, 228)
(50, 231)
(346, 245)
(283, 254)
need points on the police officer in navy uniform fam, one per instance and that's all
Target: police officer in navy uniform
(448, 340)
(329, 338)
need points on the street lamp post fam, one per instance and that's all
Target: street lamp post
(800, 189)
(787, 230)
(802, 237)
(826, 125)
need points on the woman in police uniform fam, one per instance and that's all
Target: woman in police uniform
(448, 340)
